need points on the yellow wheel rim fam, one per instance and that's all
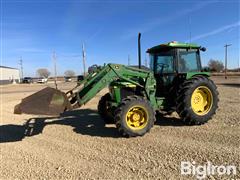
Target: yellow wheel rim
(201, 100)
(137, 118)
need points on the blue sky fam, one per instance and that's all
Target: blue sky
(33, 29)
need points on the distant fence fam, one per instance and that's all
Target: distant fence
(61, 78)
(228, 74)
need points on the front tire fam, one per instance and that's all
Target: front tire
(134, 117)
(197, 100)
(104, 110)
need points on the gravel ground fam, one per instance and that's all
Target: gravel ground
(79, 146)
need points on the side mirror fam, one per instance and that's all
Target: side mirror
(203, 49)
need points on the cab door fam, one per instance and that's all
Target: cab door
(164, 70)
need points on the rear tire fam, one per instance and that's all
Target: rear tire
(197, 100)
(134, 117)
(104, 110)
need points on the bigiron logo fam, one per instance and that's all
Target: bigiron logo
(207, 169)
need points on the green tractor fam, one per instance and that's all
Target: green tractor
(174, 82)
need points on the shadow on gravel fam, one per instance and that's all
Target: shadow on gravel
(83, 121)
(168, 121)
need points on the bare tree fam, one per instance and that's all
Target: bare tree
(69, 73)
(43, 72)
(215, 65)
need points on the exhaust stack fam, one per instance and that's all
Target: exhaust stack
(139, 51)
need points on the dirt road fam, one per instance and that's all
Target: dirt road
(79, 145)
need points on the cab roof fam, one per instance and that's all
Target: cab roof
(173, 44)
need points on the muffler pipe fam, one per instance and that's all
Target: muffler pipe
(139, 51)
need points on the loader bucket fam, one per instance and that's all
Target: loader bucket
(48, 101)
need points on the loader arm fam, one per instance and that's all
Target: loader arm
(97, 81)
(50, 101)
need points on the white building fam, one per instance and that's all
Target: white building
(9, 75)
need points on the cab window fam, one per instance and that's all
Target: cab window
(188, 61)
(162, 62)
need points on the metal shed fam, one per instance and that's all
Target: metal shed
(9, 75)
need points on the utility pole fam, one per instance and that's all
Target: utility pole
(21, 67)
(226, 46)
(238, 64)
(146, 62)
(128, 60)
(84, 59)
(54, 57)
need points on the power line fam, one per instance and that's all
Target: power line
(226, 47)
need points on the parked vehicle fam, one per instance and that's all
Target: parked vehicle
(93, 68)
(27, 80)
(80, 78)
(42, 80)
(68, 79)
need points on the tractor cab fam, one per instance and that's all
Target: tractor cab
(170, 60)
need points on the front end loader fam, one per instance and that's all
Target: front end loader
(174, 82)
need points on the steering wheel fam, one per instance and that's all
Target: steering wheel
(162, 66)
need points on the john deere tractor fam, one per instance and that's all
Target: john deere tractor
(174, 82)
